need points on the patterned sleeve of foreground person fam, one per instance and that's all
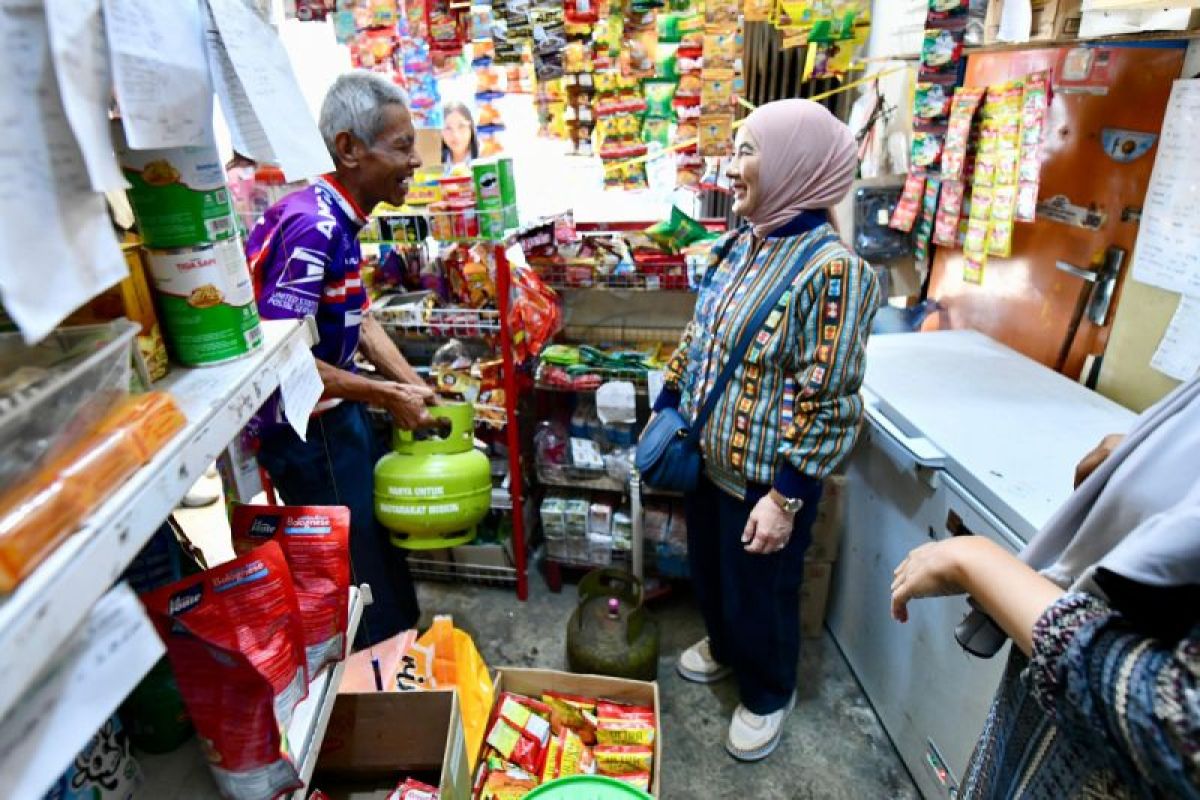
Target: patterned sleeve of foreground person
(834, 312)
(1136, 697)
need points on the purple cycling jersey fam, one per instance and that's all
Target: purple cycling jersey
(305, 258)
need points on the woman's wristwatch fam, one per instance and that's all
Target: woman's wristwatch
(790, 505)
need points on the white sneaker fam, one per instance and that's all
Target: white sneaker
(697, 664)
(753, 737)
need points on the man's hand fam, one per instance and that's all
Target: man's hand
(769, 528)
(1097, 457)
(408, 404)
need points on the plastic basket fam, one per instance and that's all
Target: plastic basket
(587, 787)
(78, 374)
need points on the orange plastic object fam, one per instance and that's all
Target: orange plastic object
(152, 419)
(34, 518)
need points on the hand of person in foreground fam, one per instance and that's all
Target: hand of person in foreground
(408, 404)
(768, 529)
(1097, 456)
(1011, 592)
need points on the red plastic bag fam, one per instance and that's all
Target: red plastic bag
(233, 636)
(316, 544)
(535, 315)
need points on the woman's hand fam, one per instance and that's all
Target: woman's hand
(938, 569)
(769, 528)
(1097, 457)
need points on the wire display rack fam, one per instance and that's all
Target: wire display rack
(590, 275)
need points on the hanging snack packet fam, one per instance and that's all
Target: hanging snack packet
(656, 130)
(659, 96)
(945, 227)
(720, 49)
(905, 213)
(716, 135)
(234, 637)
(941, 50)
(622, 759)
(926, 148)
(932, 101)
(716, 95)
(316, 544)
(1027, 199)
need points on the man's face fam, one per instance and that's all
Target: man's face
(388, 164)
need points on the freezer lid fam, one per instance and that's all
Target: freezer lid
(1011, 430)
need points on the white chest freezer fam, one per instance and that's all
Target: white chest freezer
(963, 437)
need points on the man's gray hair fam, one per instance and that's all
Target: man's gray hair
(355, 104)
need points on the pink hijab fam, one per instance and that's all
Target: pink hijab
(807, 160)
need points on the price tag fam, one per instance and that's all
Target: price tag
(300, 386)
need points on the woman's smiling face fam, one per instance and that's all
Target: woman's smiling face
(743, 172)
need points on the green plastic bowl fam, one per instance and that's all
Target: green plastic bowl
(587, 787)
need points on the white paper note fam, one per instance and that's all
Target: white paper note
(655, 379)
(1178, 353)
(81, 64)
(300, 386)
(259, 93)
(160, 71)
(51, 222)
(97, 669)
(1016, 21)
(1168, 244)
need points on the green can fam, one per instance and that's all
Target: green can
(206, 303)
(508, 193)
(488, 192)
(178, 194)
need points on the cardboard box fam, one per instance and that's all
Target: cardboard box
(533, 682)
(827, 528)
(1053, 20)
(376, 739)
(814, 597)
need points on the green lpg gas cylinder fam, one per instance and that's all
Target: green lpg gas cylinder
(436, 487)
(609, 632)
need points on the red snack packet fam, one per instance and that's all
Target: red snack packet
(316, 544)
(609, 710)
(413, 790)
(233, 636)
(520, 732)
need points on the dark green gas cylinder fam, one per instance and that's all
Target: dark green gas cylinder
(610, 633)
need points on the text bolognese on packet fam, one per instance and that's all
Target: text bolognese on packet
(234, 638)
(316, 545)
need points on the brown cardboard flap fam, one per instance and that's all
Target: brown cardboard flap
(386, 732)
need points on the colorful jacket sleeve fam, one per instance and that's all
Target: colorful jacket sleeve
(834, 313)
(677, 367)
(1113, 688)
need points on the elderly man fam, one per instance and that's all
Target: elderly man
(305, 258)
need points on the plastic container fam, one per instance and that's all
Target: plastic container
(81, 374)
(587, 787)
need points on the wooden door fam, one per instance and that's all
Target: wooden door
(1025, 301)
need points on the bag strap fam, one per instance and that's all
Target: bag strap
(752, 328)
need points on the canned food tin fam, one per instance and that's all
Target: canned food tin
(178, 194)
(206, 302)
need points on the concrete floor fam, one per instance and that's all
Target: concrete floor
(833, 747)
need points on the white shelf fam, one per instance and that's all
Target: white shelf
(51, 604)
(184, 774)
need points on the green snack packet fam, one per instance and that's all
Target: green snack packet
(656, 129)
(666, 62)
(659, 94)
(676, 233)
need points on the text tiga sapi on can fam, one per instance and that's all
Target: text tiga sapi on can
(206, 302)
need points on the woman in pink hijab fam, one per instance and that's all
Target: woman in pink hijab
(788, 415)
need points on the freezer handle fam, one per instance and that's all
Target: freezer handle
(908, 451)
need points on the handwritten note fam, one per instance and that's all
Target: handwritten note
(98, 668)
(160, 71)
(259, 93)
(300, 386)
(50, 218)
(81, 63)
(1168, 245)
(1178, 353)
